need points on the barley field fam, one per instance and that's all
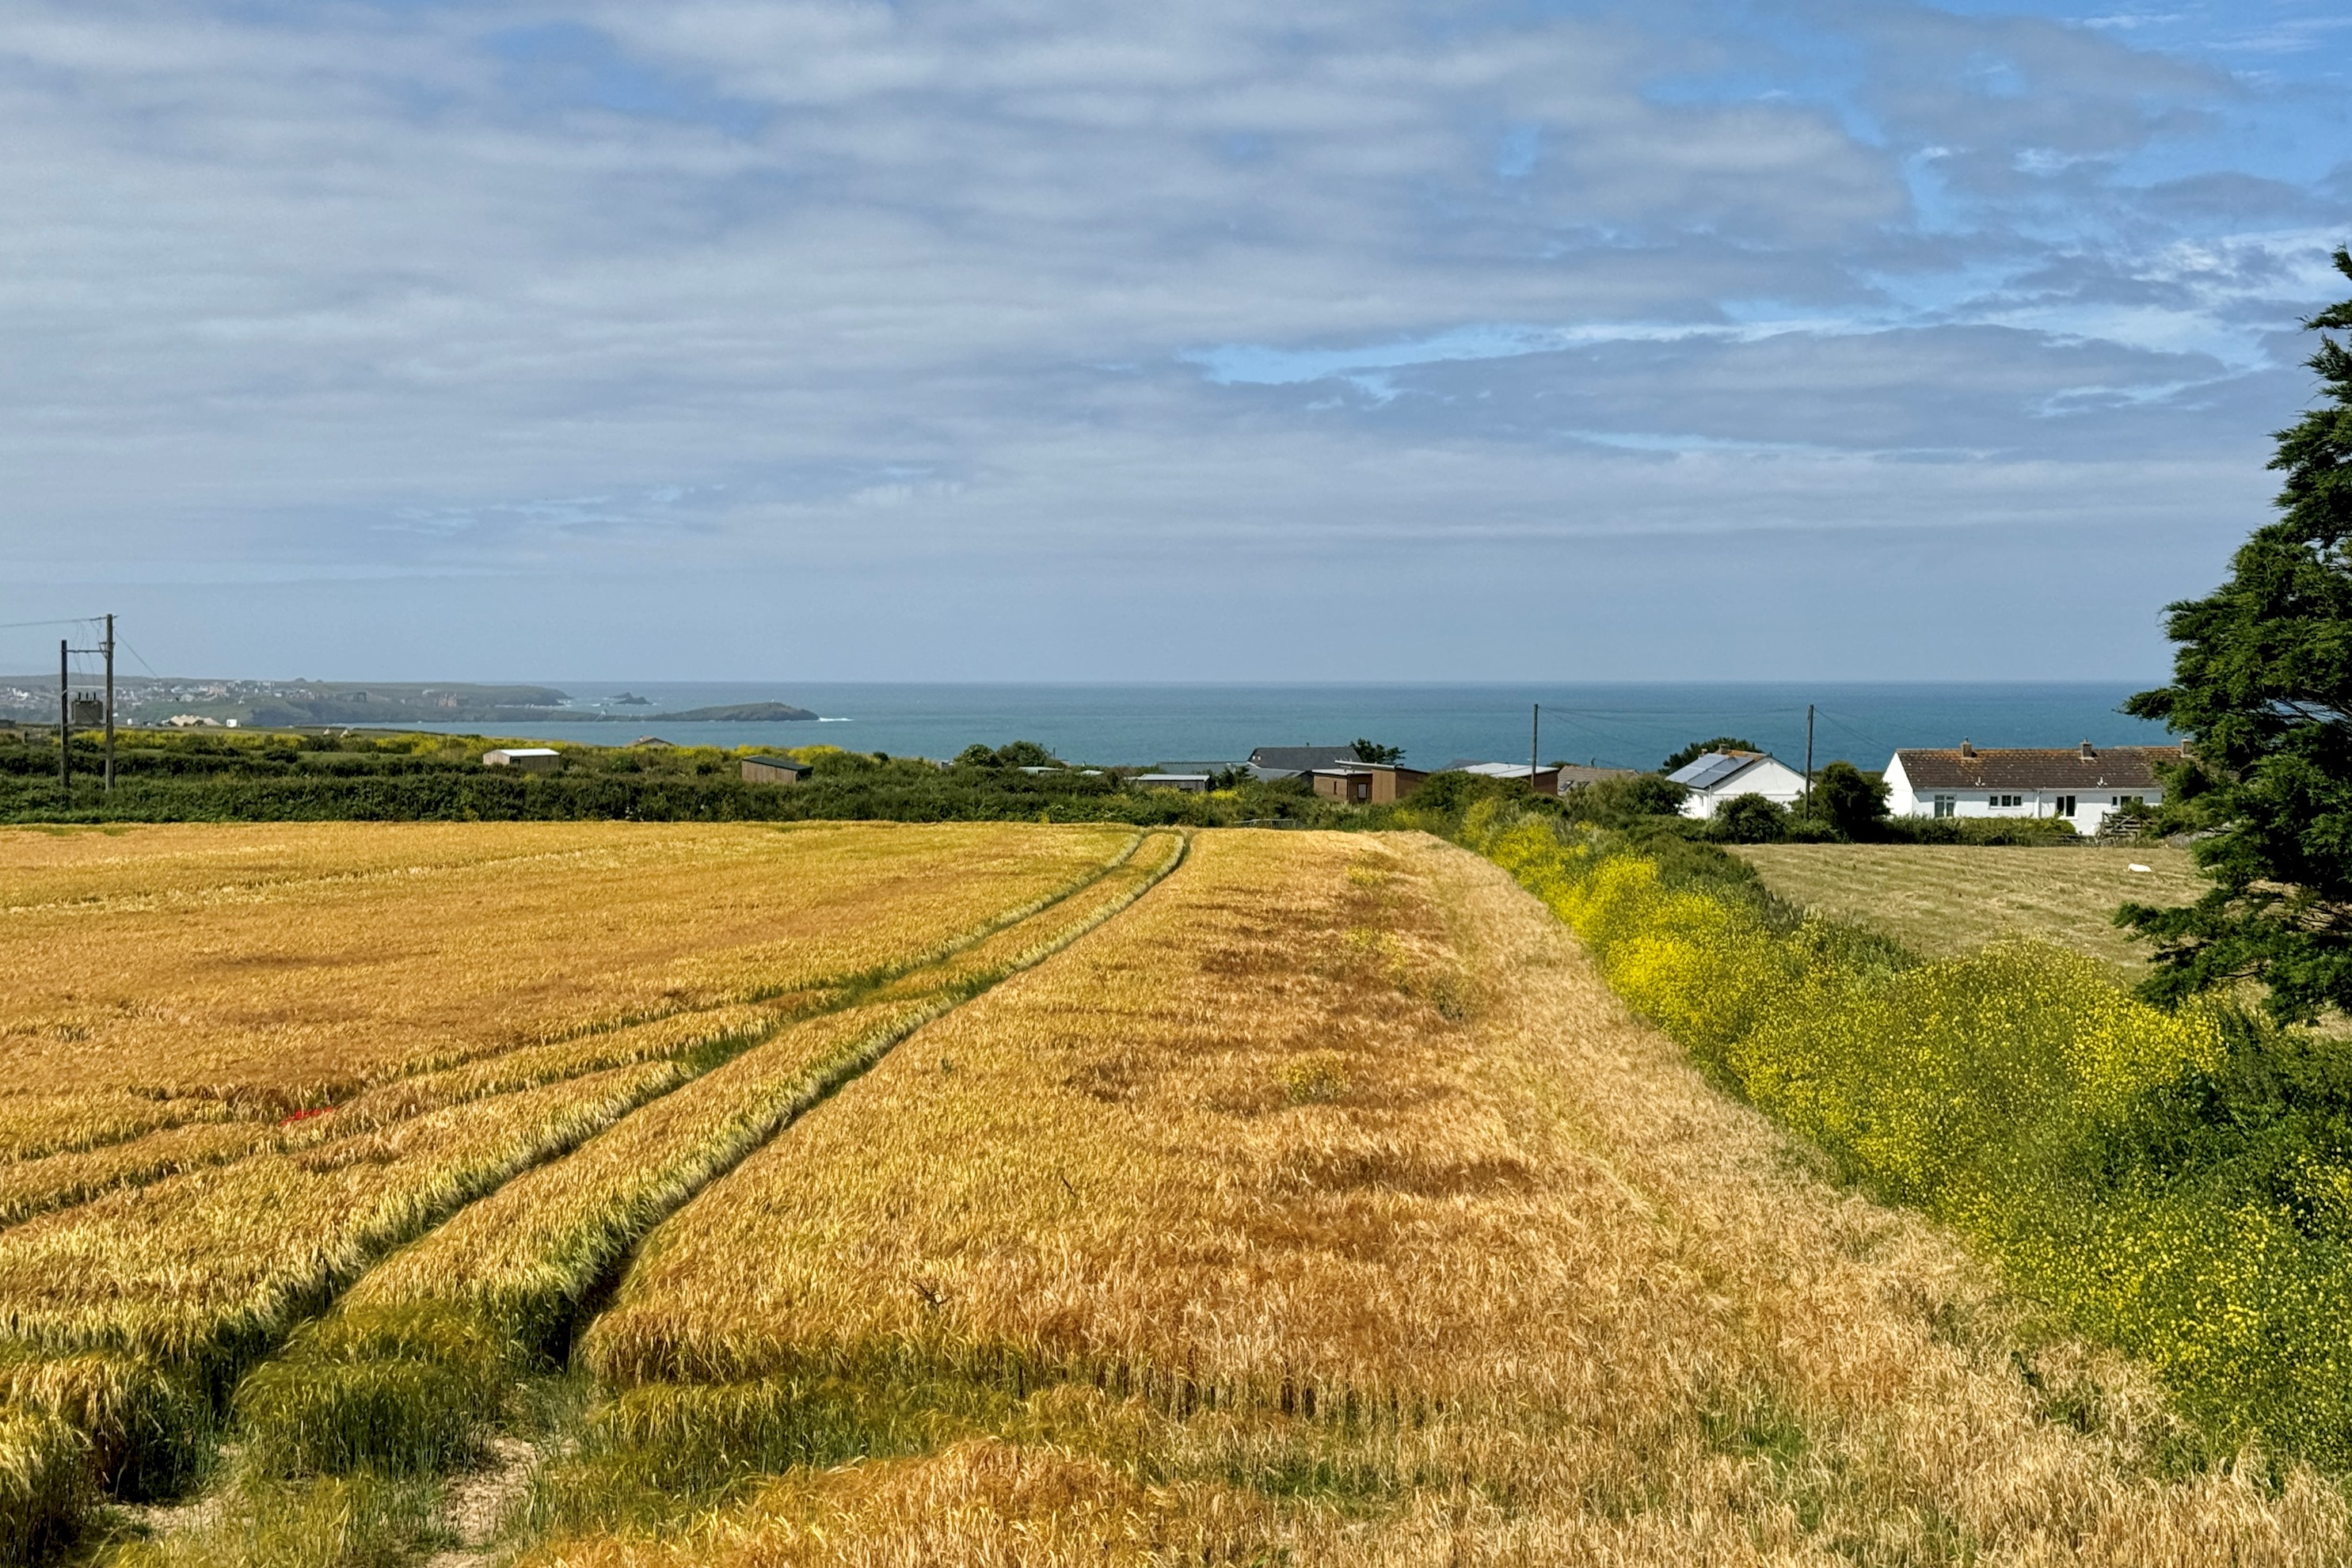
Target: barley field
(239, 1066)
(1942, 899)
(995, 1194)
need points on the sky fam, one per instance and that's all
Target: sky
(1035, 340)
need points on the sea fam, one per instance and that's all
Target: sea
(1617, 725)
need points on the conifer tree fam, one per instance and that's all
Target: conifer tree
(2261, 690)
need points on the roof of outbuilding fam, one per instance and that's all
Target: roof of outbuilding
(2120, 768)
(1495, 770)
(522, 751)
(779, 762)
(1300, 759)
(1717, 767)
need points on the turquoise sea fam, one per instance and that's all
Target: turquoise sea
(1629, 725)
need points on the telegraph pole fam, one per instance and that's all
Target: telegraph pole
(110, 703)
(1808, 760)
(1534, 745)
(65, 722)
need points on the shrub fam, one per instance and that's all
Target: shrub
(1750, 819)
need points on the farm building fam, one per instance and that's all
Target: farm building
(1720, 776)
(1368, 783)
(1191, 784)
(773, 770)
(530, 759)
(2083, 784)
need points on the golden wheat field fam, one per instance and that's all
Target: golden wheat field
(1004, 1195)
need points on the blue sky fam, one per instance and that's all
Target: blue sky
(846, 340)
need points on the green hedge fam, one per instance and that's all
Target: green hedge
(2178, 1185)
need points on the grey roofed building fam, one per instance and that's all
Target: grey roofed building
(1288, 761)
(1714, 768)
(2128, 769)
(1719, 776)
(1576, 776)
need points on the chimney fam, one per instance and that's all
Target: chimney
(2087, 752)
(1967, 749)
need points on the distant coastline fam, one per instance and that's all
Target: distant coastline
(1625, 724)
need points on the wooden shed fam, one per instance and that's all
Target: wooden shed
(1369, 783)
(773, 770)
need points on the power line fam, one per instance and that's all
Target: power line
(66, 621)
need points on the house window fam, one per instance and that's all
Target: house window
(2065, 805)
(1946, 805)
(2009, 800)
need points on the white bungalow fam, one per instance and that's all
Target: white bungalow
(2083, 784)
(1719, 775)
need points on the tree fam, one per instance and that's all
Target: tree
(2262, 688)
(1751, 819)
(1373, 751)
(1011, 754)
(1850, 800)
(1643, 794)
(1698, 748)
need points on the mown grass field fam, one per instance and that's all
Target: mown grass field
(1004, 1195)
(1940, 900)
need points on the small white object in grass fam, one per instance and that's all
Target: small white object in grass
(2137, 867)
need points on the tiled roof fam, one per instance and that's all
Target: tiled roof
(2122, 770)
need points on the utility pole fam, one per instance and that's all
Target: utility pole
(110, 703)
(65, 723)
(1808, 760)
(1534, 745)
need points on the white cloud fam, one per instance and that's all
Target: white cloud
(729, 285)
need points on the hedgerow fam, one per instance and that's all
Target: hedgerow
(2177, 1184)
